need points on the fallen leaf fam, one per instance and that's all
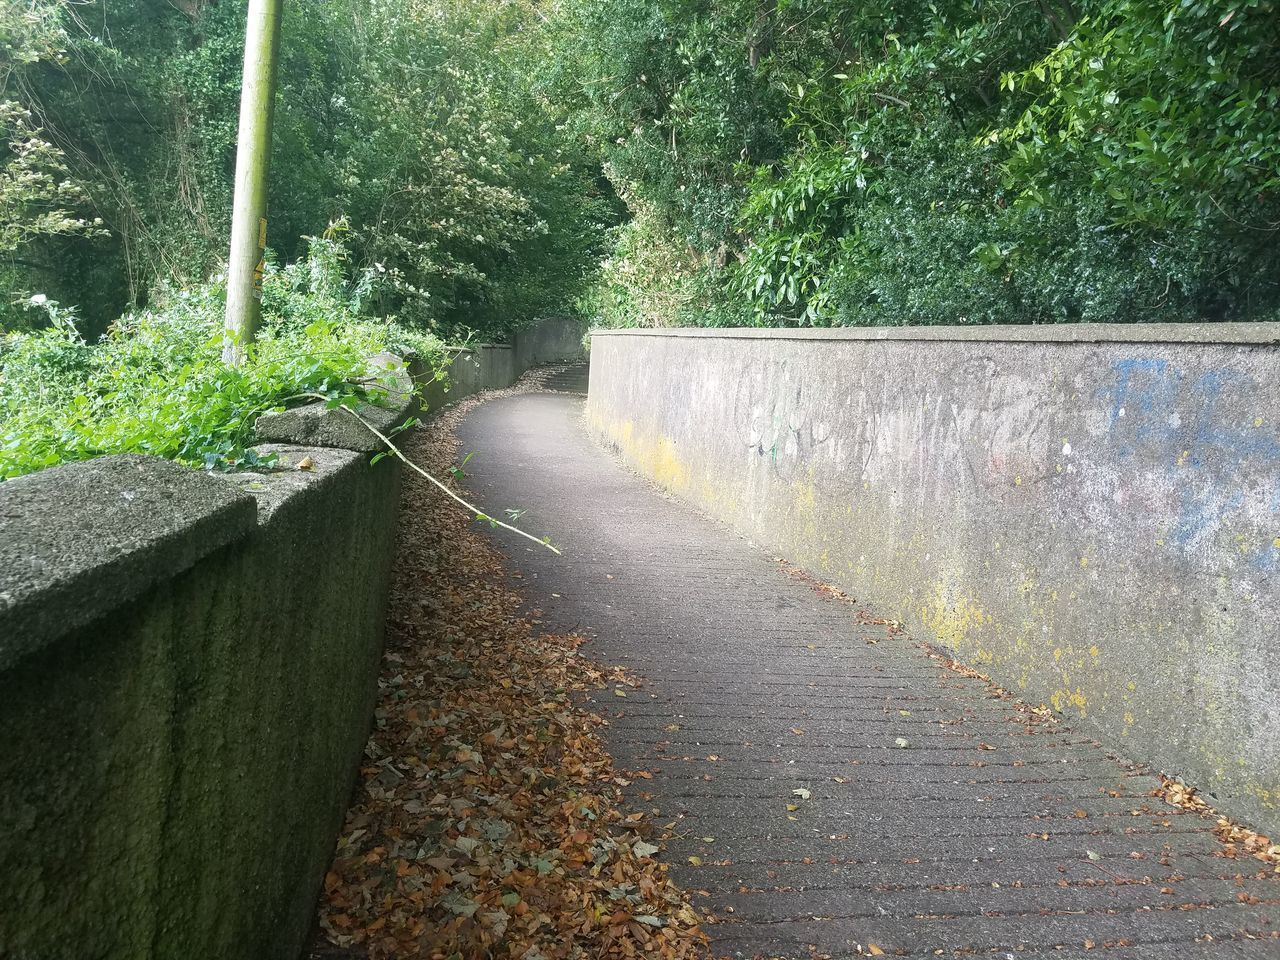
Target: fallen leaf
(488, 811)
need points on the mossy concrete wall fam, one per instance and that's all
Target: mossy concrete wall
(176, 766)
(550, 341)
(493, 366)
(1089, 514)
(189, 665)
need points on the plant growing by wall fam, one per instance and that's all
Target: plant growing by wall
(156, 383)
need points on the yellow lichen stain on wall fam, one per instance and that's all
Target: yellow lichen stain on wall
(1064, 697)
(804, 502)
(663, 463)
(657, 458)
(1033, 646)
(1269, 797)
(955, 623)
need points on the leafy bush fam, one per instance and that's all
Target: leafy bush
(939, 161)
(416, 121)
(654, 279)
(156, 383)
(1165, 119)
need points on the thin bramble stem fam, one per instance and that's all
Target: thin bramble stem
(480, 514)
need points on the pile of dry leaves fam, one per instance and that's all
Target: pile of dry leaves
(1238, 841)
(488, 819)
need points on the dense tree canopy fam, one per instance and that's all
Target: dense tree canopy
(727, 161)
(951, 161)
(414, 123)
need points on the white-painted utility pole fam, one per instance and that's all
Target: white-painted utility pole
(253, 157)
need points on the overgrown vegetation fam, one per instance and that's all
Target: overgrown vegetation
(967, 161)
(414, 121)
(410, 134)
(156, 382)
(772, 162)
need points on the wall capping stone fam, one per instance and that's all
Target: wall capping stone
(276, 489)
(79, 540)
(316, 425)
(1260, 334)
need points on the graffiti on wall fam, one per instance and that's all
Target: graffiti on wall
(1197, 437)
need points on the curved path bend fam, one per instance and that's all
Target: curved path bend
(932, 819)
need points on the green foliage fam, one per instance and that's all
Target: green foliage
(779, 161)
(37, 193)
(415, 121)
(942, 162)
(156, 383)
(36, 190)
(655, 279)
(482, 213)
(1168, 116)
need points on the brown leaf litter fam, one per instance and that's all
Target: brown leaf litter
(488, 819)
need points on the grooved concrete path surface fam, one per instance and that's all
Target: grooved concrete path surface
(984, 834)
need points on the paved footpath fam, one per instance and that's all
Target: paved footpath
(934, 818)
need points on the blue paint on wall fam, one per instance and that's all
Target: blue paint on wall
(1218, 452)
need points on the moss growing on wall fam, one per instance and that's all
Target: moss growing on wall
(175, 772)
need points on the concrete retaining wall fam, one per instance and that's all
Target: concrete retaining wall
(1089, 514)
(189, 666)
(550, 341)
(493, 366)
